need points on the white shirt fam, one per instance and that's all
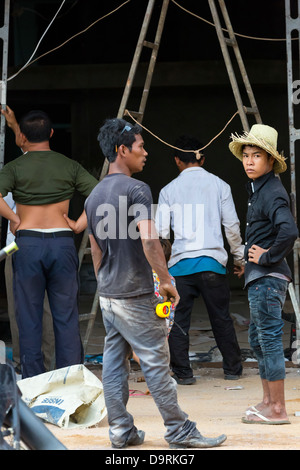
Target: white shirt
(11, 203)
(196, 205)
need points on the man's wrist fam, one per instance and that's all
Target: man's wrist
(15, 219)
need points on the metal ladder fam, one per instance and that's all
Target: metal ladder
(293, 24)
(4, 30)
(4, 34)
(293, 77)
(138, 115)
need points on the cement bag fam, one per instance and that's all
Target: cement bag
(70, 398)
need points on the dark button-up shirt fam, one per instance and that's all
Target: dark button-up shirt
(270, 225)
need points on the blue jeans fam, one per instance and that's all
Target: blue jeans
(266, 299)
(133, 323)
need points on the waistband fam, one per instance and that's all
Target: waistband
(33, 233)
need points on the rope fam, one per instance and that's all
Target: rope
(198, 151)
(226, 30)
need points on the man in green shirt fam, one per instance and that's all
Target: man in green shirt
(42, 183)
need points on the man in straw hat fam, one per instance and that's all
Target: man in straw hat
(269, 238)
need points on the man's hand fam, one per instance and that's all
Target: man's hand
(169, 293)
(255, 253)
(13, 124)
(14, 224)
(78, 225)
(239, 271)
(10, 117)
(9, 214)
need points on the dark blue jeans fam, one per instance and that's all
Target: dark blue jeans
(214, 289)
(46, 264)
(266, 299)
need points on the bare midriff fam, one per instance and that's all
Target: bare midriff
(45, 216)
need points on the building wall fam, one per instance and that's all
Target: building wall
(193, 97)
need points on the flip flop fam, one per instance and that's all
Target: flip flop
(264, 420)
(251, 410)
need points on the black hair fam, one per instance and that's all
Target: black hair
(36, 126)
(167, 247)
(186, 142)
(253, 145)
(116, 132)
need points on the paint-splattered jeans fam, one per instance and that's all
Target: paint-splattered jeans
(133, 323)
(266, 299)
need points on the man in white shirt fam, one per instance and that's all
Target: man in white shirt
(196, 205)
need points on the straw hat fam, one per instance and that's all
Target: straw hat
(261, 136)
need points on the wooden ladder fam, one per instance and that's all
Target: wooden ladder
(138, 115)
(226, 43)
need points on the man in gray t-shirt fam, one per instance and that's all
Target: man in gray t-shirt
(114, 226)
(125, 249)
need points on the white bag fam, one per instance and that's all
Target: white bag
(71, 397)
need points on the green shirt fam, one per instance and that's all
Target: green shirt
(44, 177)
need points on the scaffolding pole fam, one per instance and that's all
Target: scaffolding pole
(3, 84)
(293, 76)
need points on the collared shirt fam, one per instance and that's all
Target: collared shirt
(270, 225)
(196, 205)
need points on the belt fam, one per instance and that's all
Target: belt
(33, 233)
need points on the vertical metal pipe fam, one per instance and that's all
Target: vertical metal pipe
(3, 84)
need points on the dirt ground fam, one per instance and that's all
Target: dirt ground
(215, 408)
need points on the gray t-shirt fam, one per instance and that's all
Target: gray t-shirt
(113, 209)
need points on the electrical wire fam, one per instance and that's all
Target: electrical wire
(28, 63)
(38, 44)
(224, 29)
